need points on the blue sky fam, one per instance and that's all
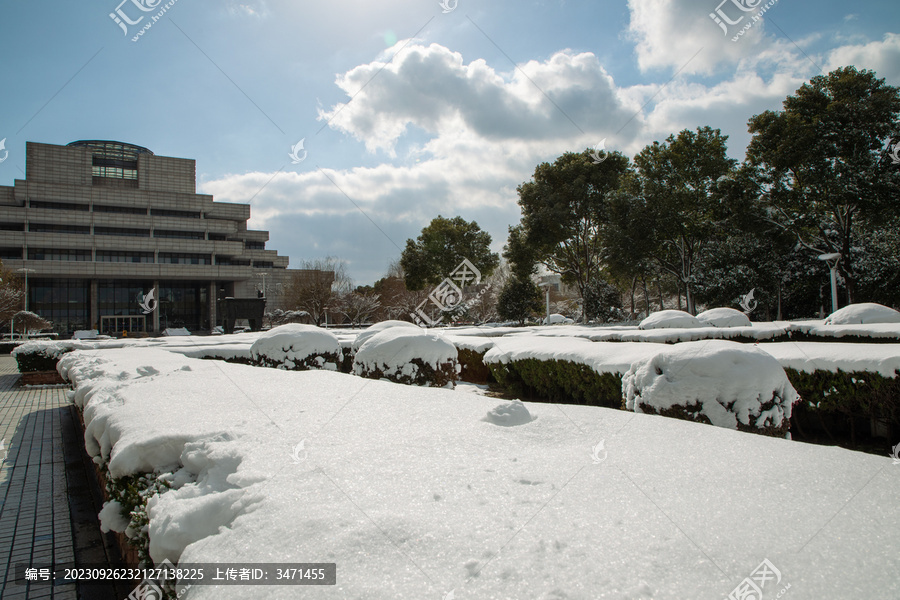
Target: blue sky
(406, 111)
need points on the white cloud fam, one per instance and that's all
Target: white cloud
(431, 88)
(882, 56)
(668, 33)
(461, 136)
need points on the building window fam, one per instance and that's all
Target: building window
(11, 253)
(182, 235)
(123, 256)
(63, 302)
(183, 214)
(263, 264)
(12, 226)
(58, 205)
(127, 210)
(58, 228)
(184, 258)
(216, 237)
(230, 261)
(113, 172)
(121, 231)
(255, 245)
(58, 254)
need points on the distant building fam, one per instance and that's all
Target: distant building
(99, 224)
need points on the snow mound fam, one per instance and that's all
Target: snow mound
(509, 414)
(558, 319)
(180, 331)
(297, 347)
(670, 319)
(863, 314)
(408, 355)
(724, 317)
(720, 382)
(375, 329)
(111, 518)
(53, 349)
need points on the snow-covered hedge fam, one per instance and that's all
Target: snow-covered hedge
(408, 355)
(40, 356)
(297, 347)
(375, 329)
(845, 399)
(668, 319)
(720, 382)
(724, 317)
(557, 319)
(561, 381)
(864, 313)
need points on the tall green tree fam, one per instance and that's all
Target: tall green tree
(677, 181)
(820, 163)
(441, 247)
(564, 209)
(518, 300)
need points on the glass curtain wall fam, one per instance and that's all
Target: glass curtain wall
(63, 302)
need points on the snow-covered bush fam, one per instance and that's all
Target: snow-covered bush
(667, 319)
(720, 382)
(40, 356)
(557, 319)
(724, 317)
(843, 397)
(372, 330)
(408, 355)
(297, 347)
(559, 381)
(863, 313)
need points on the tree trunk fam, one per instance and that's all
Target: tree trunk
(662, 306)
(633, 287)
(779, 301)
(646, 296)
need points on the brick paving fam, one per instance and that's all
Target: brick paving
(35, 523)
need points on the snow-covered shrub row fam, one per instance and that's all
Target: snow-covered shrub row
(845, 397)
(297, 347)
(670, 319)
(559, 381)
(375, 329)
(720, 382)
(412, 356)
(125, 510)
(724, 317)
(864, 313)
(40, 355)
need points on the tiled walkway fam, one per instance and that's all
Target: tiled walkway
(35, 525)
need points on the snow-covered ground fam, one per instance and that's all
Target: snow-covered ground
(419, 493)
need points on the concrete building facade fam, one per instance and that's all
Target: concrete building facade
(99, 224)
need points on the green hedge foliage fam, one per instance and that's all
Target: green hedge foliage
(560, 381)
(36, 361)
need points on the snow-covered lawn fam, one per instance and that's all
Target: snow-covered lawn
(416, 493)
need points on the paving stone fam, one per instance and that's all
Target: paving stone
(35, 524)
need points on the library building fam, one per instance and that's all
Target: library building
(96, 225)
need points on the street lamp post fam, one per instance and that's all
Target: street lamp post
(263, 275)
(547, 287)
(26, 271)
(831, 260)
